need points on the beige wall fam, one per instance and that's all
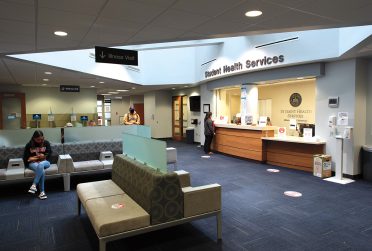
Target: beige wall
(282, 110)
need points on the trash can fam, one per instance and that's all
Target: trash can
(367, 162)
(190, 136)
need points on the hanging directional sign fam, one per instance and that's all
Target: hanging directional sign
(116, 56)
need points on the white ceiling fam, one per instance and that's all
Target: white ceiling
(27, 26)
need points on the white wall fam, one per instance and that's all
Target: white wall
(207, 97)
(339, 80)
(158, 113)
(41, 99)
(119, 107)
(369, 104)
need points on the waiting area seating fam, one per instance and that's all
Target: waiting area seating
(139, 199)
(67, 159)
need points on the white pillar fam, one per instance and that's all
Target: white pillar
(249, 102)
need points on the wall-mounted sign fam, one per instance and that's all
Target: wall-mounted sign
(250, 64)
(69, 88)
(36, 116)
(116, 56)
(343, 118)
(295, 99)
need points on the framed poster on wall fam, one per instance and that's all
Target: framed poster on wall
(206, 108)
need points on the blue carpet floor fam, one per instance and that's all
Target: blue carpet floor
(255, 215)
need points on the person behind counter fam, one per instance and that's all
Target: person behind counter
(208, 132)
(36, 157)
(131, 118)
(268, 122)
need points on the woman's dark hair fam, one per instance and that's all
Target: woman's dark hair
(37, 134)
(207, 116)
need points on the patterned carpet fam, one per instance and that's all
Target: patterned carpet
(256, 215)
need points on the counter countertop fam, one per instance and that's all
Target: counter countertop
(246, 127)
(294, 139)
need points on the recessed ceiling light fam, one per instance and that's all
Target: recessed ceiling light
(186, 86)
(48, 73)
(122, 90)
(92, 86)
(101, 82)
(44, 84)
(133, 88)
(253, 13)
(114, 92)
(60, 33)
(300, 78)
(45, 79)
(106, 94)
(173, 88)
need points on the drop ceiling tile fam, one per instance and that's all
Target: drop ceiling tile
(89, 7)
(153, 34)
(14, 11)
(180, 19)
(157, 2)
(131, 10)
(344, 11)
(210, 8)
(64, 18)
(237, 14)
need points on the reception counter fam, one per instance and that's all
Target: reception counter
(259, 143)
(292, 152)
(241, 140)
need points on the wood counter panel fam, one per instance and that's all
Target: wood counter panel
(246, 143)
(258, 134)
(292, 155)
(255, 155)
(239, 142)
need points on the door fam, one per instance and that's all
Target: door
(12, 111)
(177, 123)
(140, 110)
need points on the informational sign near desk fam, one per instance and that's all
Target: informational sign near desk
(116, 56)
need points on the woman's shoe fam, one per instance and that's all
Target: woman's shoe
(210, 153)
(42, 196)
(32, 189)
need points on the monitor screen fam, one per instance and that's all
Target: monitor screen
(195, 103)
(36, 116)
(83, 118)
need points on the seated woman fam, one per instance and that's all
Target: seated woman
(36, 157)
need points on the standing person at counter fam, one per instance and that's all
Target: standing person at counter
(208, 132)
(131, 118)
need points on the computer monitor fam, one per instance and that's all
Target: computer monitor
(83, 118)
(301, 126)
(36, 116)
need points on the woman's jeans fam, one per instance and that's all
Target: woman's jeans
(38, 168)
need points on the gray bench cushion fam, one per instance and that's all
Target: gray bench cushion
(87, 165)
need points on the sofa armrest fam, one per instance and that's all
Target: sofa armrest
(202, 199)
(184, 178)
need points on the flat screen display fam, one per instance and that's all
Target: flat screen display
(83, 118)
(36, 116)
(195, 103)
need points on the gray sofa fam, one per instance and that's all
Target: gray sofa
(67, 159)
(139, 199)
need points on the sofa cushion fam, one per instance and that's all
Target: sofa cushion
(87, 165)
(159, 194)
(116, 214)
(97, 189)
(53, 169)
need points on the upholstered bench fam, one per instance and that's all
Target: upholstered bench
(139, 199)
